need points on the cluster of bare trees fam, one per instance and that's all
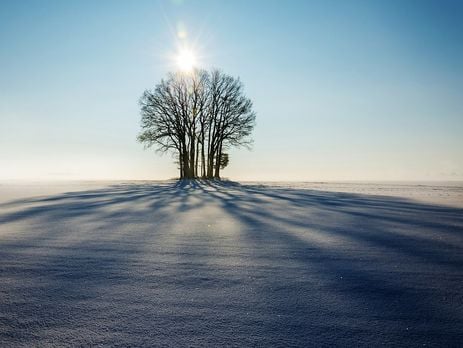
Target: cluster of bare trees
(197, 116)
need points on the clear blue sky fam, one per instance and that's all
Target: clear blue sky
(343, 90)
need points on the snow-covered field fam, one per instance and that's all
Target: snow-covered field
(227, 264)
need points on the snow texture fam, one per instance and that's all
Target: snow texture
(225, 264)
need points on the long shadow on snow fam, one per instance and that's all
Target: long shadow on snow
(384, 288)
(375, 290)
(53, 271)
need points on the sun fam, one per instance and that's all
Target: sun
(186, 60)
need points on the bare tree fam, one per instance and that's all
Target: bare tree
(232, 117)
(197, 116)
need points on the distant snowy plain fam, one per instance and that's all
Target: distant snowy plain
(169, 263)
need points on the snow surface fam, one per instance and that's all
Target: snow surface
(228, 264)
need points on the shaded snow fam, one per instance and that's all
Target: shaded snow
(437, 192)
(194, 264)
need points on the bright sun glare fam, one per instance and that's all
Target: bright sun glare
(186, 60)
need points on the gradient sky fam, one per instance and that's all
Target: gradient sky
(343, 90)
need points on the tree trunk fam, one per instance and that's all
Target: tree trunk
(192, 158)
(203, 160)
(217, 162)
(210, 165)
(180, 162)
(197, 157)
(186, 169)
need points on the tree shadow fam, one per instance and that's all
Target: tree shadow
(398, 266)
(221, 263)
